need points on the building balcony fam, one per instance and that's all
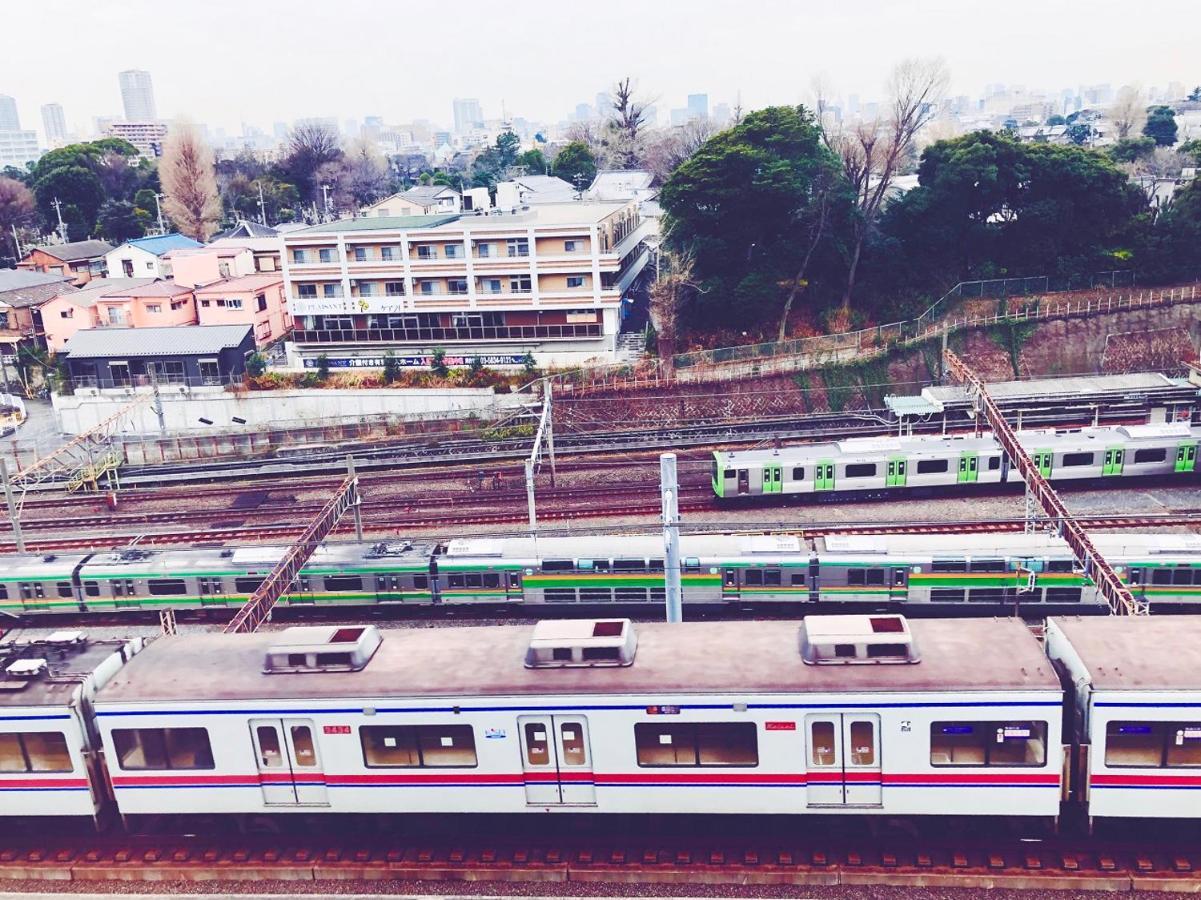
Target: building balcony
(501, 256)
(428, 336)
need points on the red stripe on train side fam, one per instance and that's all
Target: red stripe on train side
(1146, 780)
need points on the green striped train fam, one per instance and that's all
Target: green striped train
(940, 573)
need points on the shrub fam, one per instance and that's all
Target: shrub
(391, 367)
(256, 365)
(438, 363)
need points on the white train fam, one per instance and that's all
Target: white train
(846, 715)
(876, 465)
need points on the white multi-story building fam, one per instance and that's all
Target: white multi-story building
(54, 123)
(147, 137)
(137, 95)
(18, 147)
(549, 280)
(10, 120)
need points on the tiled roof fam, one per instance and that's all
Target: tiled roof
(99, 287)
(76, 250)
(11, 279)
(150, 289)
(34, 294)
(382, 223)
(247, 229)
(425, 193)
(182, 340)
(161, 244)
(242, 283)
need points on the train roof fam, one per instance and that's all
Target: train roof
(483, 550)
(957, 655)
(253, 560)
(40, 566)
(1148, 546)
(47, 670)
(1047, 388)
(1137, 653)
(943, 445)
(997, 544)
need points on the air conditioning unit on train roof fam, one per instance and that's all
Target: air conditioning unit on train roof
(581, 643)
(322, 648)
(857, 640)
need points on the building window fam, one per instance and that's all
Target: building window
(386, 253)
(3, 319)
(483, 251)
(427, 287)
(178, 304)
(205, 303)
(457, 285)
(67, 313)
(427, 252)
(154, 307)
(210, 371)
(339, 323)
(331, 290)
(261, 301)
(325, 255)
(299, 256)
(394, 288)
(519, 284)
(492, 286)
(366, 289)
(360, 254)
(234, 303)
(150, 265)
(454, 251)
(306, 290)
(518, 247)
(575, 281)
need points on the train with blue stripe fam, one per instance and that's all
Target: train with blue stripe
(833, 715)
(879, 466)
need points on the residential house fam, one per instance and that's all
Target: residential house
(194, 266)
(423, 200)
(21, 293)
(81, 260)
(247, 229)
(256, 300)
(149, 305)
(551, 280)
(58, 319)
(106, 358)
(528, 190)
(143, 257)
(267, 250)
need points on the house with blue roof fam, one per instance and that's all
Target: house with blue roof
(143, 257)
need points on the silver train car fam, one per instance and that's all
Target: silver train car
(878, 465)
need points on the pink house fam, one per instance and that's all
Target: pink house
(59, 318)
(150, 305)
(256, 300)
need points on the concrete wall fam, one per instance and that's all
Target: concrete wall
(263, 409)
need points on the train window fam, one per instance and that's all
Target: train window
(772, 578)
(863, 742)
(654, 565)
(163, 748)
(302, 743)
(343, 582)
(1161, 576)
(1182, 576)
(798, 473)
(948, 565)
(418, 746)
(752, 576)
(474, 580)
(3, 591)
(988, 565)
(691, 564)
(1077, 459)
(270, 756)
(1060, 565)
(247, 585)
(1150, 455)
(34, 751)
(729, 474)
(798, 578)
(988, 744)
(537, 744)
(945, 595)
(628, 565)
(860, 470)
(930, 466)
(994, 463)
(421, 581)
(986, 595)
(64, 589)
(557, 565)
(572, 736)
(1153, 745)
(874, 577)
(26, 591)
(821, 743)
(702, 744)
(456, 581)
(856, 577)
(166, 586)
(491, 580)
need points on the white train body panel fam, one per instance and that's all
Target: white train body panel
(597, 739)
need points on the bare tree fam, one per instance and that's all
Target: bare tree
(17, 209)
(872, 152)
(189, 183)
(668, 295)
(1129, 111)
(366, 172)
(825, 183)
(669, 147)
(310, 146)
(626, 123)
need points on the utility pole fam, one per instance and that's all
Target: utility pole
(262, 205)
(670, 489)
(550, 426)
(158, 400)
(17, 242)
(529, 494)
(13, 517)
(62, 226)
(325, 198)
(162, 229)
(358, 515)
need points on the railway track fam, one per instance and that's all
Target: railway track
(604, 856)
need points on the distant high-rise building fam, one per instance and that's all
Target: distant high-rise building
(137, 95)
(9, 120)
(468, 115)
(54, 123)
(604, 105)
(721, 114)
(698, 105)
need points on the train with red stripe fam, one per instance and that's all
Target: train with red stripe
(843, 715)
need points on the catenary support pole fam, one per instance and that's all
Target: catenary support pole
(356, 509)
(13, 517)
(670, 489)
(529, 494)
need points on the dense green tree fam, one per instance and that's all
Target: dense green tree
(74, 185)
(988, 205)
(1192, 150)
(494, 162)
(1161, 125)
(1079, 133)
(533, 161)
(79, 228)
(752, 208)
(1195, 94)
(1131, 149)
(118, 222)
(1057, 120)
(1173, 243)
(575, 164)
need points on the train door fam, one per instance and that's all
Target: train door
(1186, 458)
(843, 759)
(899, 588)
(969, 467)
(773, 479)
(513, 587)
(824, 476)
(896, 472)
(744, 481)
(1114, 458)
(556, 761)
(729, 585)
(1043, 461)
(289, 768)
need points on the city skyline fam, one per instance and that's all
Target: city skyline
(770, 53)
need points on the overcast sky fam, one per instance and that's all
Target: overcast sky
(223, 62)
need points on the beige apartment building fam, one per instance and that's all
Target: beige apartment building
(547, 279)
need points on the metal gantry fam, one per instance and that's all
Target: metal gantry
(258, 607)
(545, 432)
(1109, 585)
